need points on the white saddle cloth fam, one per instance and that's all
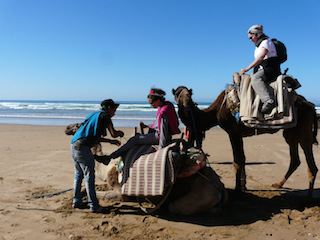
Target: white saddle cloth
(283, 116)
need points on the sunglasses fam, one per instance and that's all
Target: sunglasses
(151, 100)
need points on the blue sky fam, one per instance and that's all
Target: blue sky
(92, 50)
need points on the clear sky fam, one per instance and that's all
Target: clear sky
(92, 50)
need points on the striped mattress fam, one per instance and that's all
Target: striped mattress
(147, 172)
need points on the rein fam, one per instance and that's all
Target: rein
(191, 113)
(198, 142)
(194, 126)
(214, 187)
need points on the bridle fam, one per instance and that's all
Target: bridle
(179, 96)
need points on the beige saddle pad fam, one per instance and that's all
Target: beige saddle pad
(283, 116)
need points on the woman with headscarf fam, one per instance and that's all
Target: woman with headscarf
(161, 131)
(266, 67)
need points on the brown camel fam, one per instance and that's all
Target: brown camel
(304, 133)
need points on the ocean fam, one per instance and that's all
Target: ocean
(62, 113)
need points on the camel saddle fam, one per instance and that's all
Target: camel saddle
(147, 172)
(245, 104)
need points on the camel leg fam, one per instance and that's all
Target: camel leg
(294, 164)
(238, 160)
(312, 168)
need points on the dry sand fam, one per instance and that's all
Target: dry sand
(36, 160)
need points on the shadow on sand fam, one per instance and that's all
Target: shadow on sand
(250, 163)
(242, 208)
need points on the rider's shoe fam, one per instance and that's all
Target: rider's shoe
(81, 205)
(99, 209)
(268, 106)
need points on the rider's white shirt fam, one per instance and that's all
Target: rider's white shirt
(269, 45)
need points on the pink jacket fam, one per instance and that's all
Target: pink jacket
(169, 110)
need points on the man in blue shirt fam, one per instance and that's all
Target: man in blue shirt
(90, 133)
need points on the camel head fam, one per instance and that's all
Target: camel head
(182, 96)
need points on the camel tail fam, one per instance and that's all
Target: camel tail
(315, 127)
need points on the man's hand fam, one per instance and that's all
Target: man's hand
(120, 133)
(115, 142)
(142, 125)
(243, 70)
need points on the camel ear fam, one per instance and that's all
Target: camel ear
(190, 91)
(173, 91)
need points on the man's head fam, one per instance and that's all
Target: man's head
(108, 103)
(109, 106)
(256, 29)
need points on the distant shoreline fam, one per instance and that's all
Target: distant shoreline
(62, 113)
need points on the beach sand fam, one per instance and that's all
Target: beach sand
(35, 160)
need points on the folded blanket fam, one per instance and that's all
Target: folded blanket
(283, 116)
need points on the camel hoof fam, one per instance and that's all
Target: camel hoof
(240, 189)
(276, 185)
(243, 188)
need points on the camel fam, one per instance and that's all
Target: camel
(304, 133)
(201, 192)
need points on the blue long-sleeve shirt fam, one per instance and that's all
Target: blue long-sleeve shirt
(94, 126)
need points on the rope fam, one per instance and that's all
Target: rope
(52, 194)
(197, 140)
(195, 128)
(214, 187)
(224, 101)
(49, 210)
(121, 141)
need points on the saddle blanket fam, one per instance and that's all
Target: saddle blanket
(283, 116)
(147, 172)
